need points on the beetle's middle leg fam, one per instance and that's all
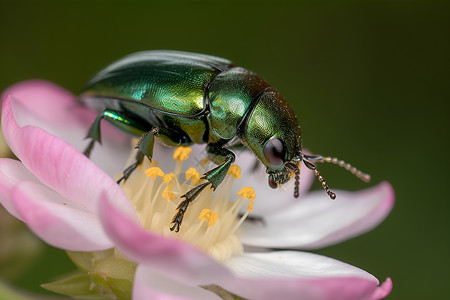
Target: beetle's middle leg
(145, 146)
(221, 156)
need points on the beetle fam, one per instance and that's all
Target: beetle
(182, 98)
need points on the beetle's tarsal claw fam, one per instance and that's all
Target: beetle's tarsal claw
(182, 207)
(129, 170)
(88, 150)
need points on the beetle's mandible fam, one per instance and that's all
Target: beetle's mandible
(182, 98)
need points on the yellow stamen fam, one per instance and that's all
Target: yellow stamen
(205, 214)
(208, 216)
(181, 153)
(213, 219)
(193, 175)
(247, 193)
(250, 206)
(235, 171)
(154, 172)
(168, 177)
(168, 194)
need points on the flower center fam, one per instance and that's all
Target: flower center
(212, 220)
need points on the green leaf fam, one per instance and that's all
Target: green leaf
(78, 284)
(116, 274)
(85, 260)
(8, 293)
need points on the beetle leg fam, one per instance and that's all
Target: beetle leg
(224, 158)
(127, 172)
(121, 120)
(219, 155)
(145, 146)
(94, 135)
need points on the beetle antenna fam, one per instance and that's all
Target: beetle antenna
(319, 176)
(296, 171)
(334, 160)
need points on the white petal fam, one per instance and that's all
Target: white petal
(267, 200)
(150, 285)
(316, 221)
(299, 275)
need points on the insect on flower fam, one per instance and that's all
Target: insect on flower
(184, 98)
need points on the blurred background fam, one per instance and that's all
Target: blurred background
(369, 81)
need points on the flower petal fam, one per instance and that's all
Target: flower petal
(267, 200)
(58, 221)
(315, 221)
(12, 172)
(150, 285)
(169, 257)
(59, 165)
(45, 105)
(298, 275)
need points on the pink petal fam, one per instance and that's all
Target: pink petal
(169, 257)
(58, 221)
(12, 172)
(383, 291)
(268, 200)
(298, 275)
(150, 285)
(59, 165)
(45, 105)
(316, 221)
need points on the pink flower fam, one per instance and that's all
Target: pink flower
(74, 203)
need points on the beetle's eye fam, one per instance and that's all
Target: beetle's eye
(272, 183)
(274, 152)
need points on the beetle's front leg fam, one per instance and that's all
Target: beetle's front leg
(221, 156)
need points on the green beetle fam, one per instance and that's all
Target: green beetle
(184, 98)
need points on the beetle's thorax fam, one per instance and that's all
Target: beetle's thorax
(231, 95)
(272, 117)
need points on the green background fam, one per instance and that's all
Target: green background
(369, 81)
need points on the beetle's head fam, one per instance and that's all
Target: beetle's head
(273, 134)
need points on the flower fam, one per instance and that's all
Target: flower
(73, 203)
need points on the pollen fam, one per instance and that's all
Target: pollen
(250, 206)
(168, 194)
(181, 153)
(205, 214)
(247, 193)
(212, 222)
(209, 216)
(213, 219)
(168, 177)
(235, 171)
(154, 172)
(193, 175)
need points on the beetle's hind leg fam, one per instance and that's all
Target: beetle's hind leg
(130, 124)
(94, 135)
(221, 156)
